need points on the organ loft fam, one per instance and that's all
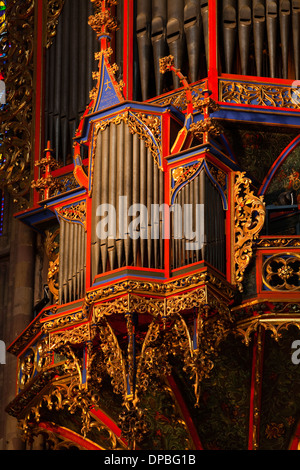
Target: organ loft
(150, 224)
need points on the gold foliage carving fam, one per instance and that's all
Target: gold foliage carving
(51, 248)
(259, 94)
(54, 9)
(249, 217)
(16, 115)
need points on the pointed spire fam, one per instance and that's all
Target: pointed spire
(108, 91)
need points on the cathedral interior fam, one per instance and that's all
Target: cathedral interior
(137, 338)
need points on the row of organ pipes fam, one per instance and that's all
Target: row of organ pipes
(180, 28)
(131, 171)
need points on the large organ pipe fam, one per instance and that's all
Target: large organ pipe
(272, 15)
(158, 38)
(259, 20)
(229, 32)
(296, 36)
(204, 16)
(284, 19)
(143, 27)
(244, 30)
(175, 35)
(193, 31)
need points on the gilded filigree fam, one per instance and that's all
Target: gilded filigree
(182, 174)
(16, 117)
(259, 94)
(282, 272)
(249, 217)
(208, 125)
(75, 213)
(54, 9)
(102, 22)
(51, 248)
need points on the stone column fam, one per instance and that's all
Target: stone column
(20, 285)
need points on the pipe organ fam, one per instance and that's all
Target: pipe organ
(172, 164)
(129, 178)
(258, 31)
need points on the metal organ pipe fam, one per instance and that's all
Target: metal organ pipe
(244, 30)
(296, 35)
(204, 16)
(272, 15)
(229, 32)
(259, 20)
(284, 19)
(193, 33)
(175, 34)
(143, 31)
(158, 39)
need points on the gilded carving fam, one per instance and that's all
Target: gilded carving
(54, 9)
(282, 272)
(74, 213)
(259, 94)
(16, 115)
(249, 217)
(51, 248)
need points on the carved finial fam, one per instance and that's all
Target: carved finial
(102, 22)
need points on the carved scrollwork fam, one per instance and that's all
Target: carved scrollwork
(51, 248)
(54, 9)
(282, 272)
(259, 94)
(249, 217)
(16, 115)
